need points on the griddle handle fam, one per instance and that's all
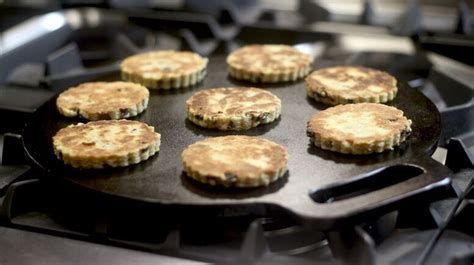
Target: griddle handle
(370, 192)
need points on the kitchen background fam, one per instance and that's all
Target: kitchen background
(47, 46)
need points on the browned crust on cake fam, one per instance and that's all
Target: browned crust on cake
(233, 108)
(164, 69)
(351, 84)
(268, 63)
(103, 100)
(240, 161)
(360, 128)
(106, 143)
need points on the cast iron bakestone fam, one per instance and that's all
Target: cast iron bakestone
(321, 188)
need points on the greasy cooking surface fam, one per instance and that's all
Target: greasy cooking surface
(160, 179)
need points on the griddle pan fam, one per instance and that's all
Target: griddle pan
(321, 187)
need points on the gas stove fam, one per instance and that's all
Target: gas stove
(48, 221)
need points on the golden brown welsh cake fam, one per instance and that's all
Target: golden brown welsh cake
(351, 84)
(360, 128)
(233, 108)
(114, 143)
(103, 100)
(164, 69)
(240, 161)
(268, 63)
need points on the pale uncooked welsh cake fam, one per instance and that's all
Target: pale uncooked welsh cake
(233, 108)
(240, 161)
(103, 100)
(164, 69)
(351, 84)
(113, 143)
(268, 63)
(360, 128)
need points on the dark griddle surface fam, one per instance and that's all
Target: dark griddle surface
(160, 179)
